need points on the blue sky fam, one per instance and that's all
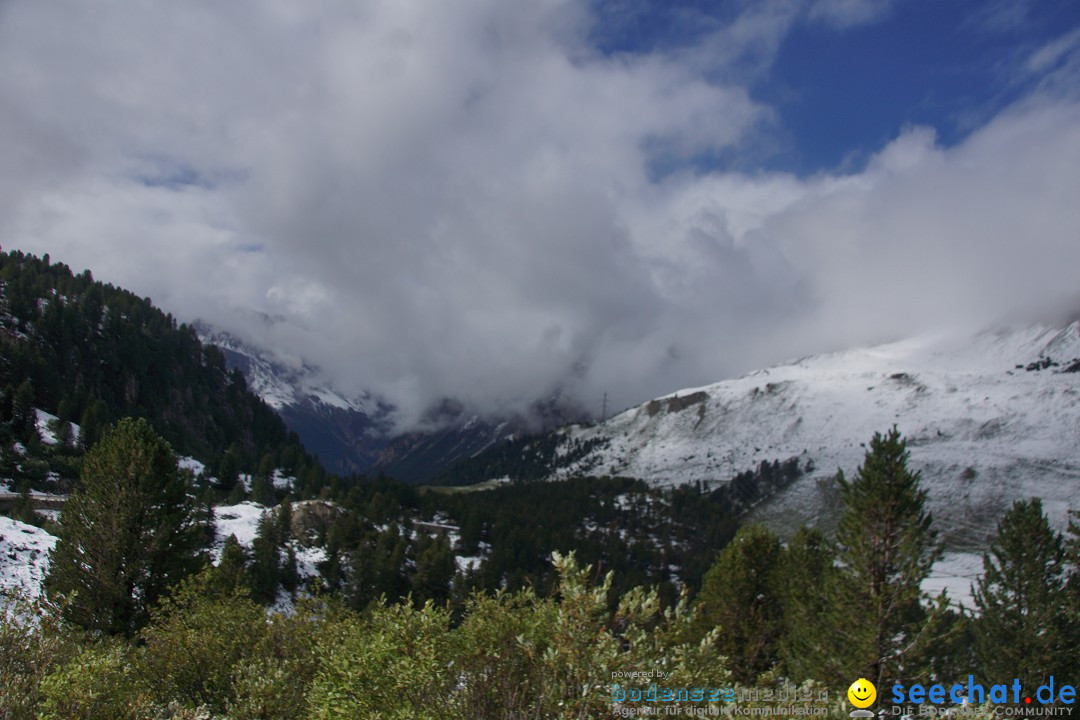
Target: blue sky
(941, 63)
(499, 201)
(841, 93)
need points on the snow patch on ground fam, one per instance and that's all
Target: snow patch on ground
(189, 463)
(955, 573)
(283, 481)
(43, 422)
(468, 563)
(243, 521)
(308, 560)
(240, 520)
(24, 556)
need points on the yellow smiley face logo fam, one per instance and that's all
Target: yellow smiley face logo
(862, 693)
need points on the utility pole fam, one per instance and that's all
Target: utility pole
(603, 411)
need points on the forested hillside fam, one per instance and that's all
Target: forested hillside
(91, 353)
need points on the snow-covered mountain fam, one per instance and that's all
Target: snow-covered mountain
(990, 417)
(355, 434)
(347, 432)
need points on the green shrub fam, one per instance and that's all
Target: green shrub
(34, 641)
(97, 684)
(394, 664)
(272, 682)
(501, 646)
(194, 643)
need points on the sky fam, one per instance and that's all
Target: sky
(499, 201)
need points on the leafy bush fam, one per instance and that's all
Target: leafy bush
(33, 642)
(97, 684)
(394, 664)
(195, 642)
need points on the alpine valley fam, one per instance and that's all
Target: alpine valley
(990, 417)
(355, 434)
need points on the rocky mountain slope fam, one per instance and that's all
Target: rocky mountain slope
(355, 434)
(990, 417)
(346, 432)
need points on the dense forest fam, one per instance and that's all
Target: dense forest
(90, 353)
(646, 535)
(528, 457)
(385, 539)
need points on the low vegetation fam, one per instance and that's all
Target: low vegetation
(797, 620)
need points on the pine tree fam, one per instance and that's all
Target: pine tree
(435, 569)
(809, 647)
(228, 476)
(266, 559)
(1021, 630)
(127, 534)
(7, 399)
(23, 418)
(90, 423)
(23, 509)
(231, 573)
(65, 438)
(290, 572)
(887, 546)
(1072, 586)
(388, 563)
(262, 491)
(740, 596)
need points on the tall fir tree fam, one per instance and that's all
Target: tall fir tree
(231, 574)
(23, 418)
(887, 546)
(435, 569)
(262, 490)
(127, 534)
(1023, 625)
(809, 647)
(228, 477)
(740, 595)
(1072, 588)
(266, 558)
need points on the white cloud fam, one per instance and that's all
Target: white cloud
(456, 200)
(847, 13)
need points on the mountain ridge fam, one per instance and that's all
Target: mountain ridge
(990, 417)
(356, 434)
(346, 432)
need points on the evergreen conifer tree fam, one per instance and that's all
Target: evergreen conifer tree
(266, 559)
(1022, 625)
(435, 569)
(23, 418)
(887, 546)
(90, 423)
(1072, 588)
(740, 596)
(231, 573)
(809, 647)
(262, 491)
(290, 572)
(128, 533)
(23, 509)
(7, 399)
(228, 477)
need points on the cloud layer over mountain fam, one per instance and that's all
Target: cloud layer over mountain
(473, 200)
